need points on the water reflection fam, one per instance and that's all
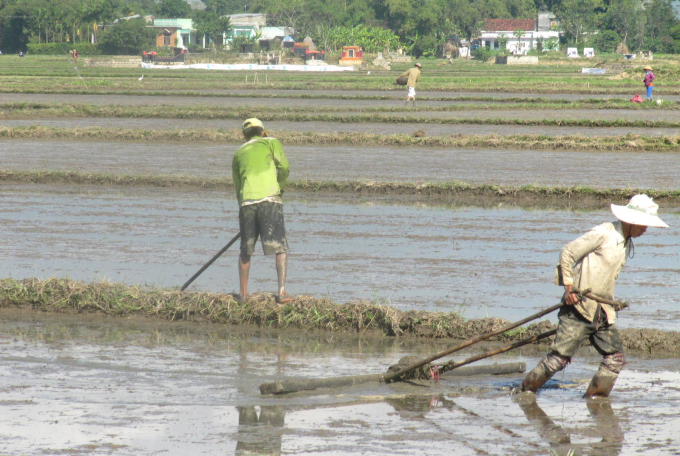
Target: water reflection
(420, 404)
(606, 425)
(260, 430)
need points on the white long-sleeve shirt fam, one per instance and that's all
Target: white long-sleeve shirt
(594, 261)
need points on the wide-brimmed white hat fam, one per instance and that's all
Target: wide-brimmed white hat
(641, 210)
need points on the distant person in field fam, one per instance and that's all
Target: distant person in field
(593, 261)
(260, 172)
(649, 81)
(412, 74)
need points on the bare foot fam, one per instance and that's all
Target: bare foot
(282, 299)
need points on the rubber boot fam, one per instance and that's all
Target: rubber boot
(603, 382)
(543, 372)
(601, 385)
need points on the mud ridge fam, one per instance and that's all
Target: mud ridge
(433, 191)
(629, 142)
(305, 312)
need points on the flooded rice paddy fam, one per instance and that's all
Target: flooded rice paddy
(73, 384)
(383, 128)
(341, 163)
(496, 261)
(399, 94)
(78, 385)
(354, 106)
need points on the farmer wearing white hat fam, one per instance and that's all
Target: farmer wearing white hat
(594, 261)
(260, 171)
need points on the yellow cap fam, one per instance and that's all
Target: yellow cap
(252, 123)
(647, 68)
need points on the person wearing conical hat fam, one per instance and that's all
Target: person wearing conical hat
(649, 81)
(593, 261)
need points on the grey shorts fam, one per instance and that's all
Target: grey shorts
(263, 220)
(573, 330)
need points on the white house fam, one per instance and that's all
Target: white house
(497, 30)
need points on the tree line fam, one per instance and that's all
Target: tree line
(419, 25)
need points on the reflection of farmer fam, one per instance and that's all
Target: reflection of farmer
(412, 74)
(260, 171)
(606, 423)
(593, 261)
(649, 81)
(250, 441)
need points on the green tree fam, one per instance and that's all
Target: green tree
(503, 41)
(661, 19)
(519, 34)
(211, 25)
(128, 37)
(606, 41)
(225, 7)
(521, 9)
(625, 18)
(578, 17)
(287, 13)
(173, 9)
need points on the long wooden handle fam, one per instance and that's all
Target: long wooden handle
(212, 260)
(618, 305)
(467, 343)
(454, 365)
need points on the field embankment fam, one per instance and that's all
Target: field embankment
(305, 312)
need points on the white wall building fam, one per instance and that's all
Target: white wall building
(497, 30)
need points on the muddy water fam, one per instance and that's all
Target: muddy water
(72, 385)
(225, 101)
(496, 261)
(400, 93)
(540, 114)
(263, 103)
(503, 167)
(336, 127)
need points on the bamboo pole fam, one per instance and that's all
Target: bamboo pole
(211, 261)
(393, 375)
(292, 386)
(454, 365)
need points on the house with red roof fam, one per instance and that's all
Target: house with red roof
(497, 32)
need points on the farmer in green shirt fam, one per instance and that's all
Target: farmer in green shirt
(260, 171)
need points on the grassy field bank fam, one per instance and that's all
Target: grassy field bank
(627, 142)
(441, 190)
(305, 312)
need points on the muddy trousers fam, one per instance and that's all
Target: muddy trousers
(573, 329)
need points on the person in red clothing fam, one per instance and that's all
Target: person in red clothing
(649, 81)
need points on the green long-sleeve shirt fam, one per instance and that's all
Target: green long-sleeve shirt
(259, 169)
